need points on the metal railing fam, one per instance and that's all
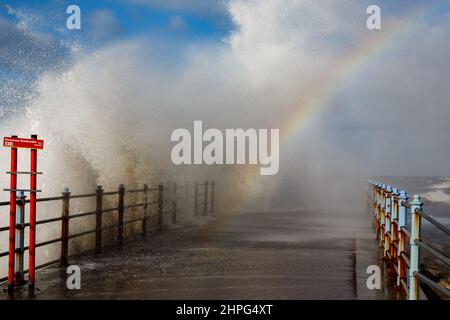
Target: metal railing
(151, 205)
(389, 208)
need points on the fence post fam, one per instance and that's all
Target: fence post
(174, 203)
(144, 220)
(12, 219)
(186, 195)
(394, 223)
(195, 198)
(98, 219)
(414, 248)
(160, 205)
(32, 220)
(20, 238)
(205, 200)
(121, 213)
(212, 197)
(377, 208)
(402, 222)
(387, 222)
(65, 226)
(382, 208)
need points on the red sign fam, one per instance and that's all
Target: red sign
(23, 143)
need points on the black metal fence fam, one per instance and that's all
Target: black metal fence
(151, 206)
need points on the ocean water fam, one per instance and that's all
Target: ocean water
(435, 195)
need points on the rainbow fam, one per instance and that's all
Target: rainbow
(346, 70)
(304, 111)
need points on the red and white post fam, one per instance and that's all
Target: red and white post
(32, 231)
(12, 218)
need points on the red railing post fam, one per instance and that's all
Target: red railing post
(12, 218)
(65, 227)
(32, 231)
(98, 219)
(121, 213)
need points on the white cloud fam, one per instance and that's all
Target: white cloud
(379, 120)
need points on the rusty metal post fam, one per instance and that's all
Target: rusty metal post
(205, 200)
(375, 208)
(387, 223)
(416, 204)
(144, 220)
(174, 203)
(65, 227)
(394, 224)
(212, 197)
(121, 211)
(402, 221)
(160, 205)
(196, 199)
(186, 195)
(20, 239)
(98, 219)
(382, 215)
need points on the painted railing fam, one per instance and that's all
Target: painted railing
(149, 207)
(389, 208)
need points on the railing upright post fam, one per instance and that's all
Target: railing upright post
(186, 196)
(196, 199)
(65, 227)
(144, 220)
(160, 205)
(394, 224)
(205, 200)
(32, 228)
(121, 210)
(174, 203)
(402, 223)
(387, 222)
(212, 197)
(20, 239)
(416, 204)
(98, 219)
(377, 210)
(12, 219)
(382, 215)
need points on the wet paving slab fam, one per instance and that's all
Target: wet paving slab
(299, 254)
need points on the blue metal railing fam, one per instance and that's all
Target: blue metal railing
(389, 208)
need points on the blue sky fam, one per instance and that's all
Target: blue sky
(139, 16)
(197, 19)
(24, 55)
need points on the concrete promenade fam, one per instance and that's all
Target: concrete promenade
(304, 254)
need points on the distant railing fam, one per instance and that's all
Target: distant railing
(154, 203)
(389, 208)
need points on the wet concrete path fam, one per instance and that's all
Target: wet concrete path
(305, 254)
